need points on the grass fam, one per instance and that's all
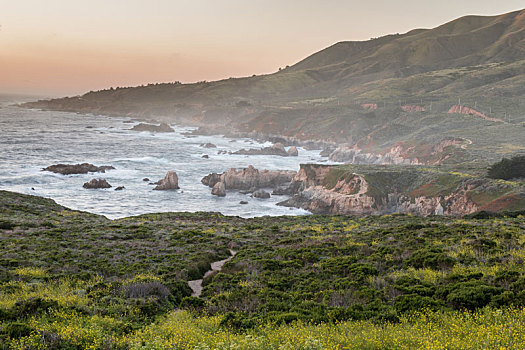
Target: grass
(73, 280)
(485, 329)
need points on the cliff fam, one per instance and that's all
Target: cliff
(364, 190)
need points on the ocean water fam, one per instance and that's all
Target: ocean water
(31, 140)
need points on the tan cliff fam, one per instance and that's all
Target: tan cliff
(324, 189)
(400, 153)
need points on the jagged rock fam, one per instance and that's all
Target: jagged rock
(251, 190)
(356, 156)
(471, 111)
(97, 183)
(275, 150)
(219, 189)
(120, 188)
(281, 191)
(293, 152)
(205, 156)
(327, 151)
(211, 179)
(261, 194)
(352, 194)
(170, 182)
(243, 202)
(208, 145)
(249, 178)
(84, 168)
(163, 127)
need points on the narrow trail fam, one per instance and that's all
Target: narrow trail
(196, 285)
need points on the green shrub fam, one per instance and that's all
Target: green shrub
(6, 225)
(432, 258)
(32, 306)
(414, 302)
(507, 169)
(472, 294)
(16, 330)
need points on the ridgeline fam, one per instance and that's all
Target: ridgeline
(408, 93)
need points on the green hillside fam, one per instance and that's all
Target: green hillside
(355, 93)
(73, 280)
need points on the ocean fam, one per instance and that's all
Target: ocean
(31, 140)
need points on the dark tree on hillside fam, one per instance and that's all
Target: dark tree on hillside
(508, 168)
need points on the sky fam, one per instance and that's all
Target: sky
(69, 47)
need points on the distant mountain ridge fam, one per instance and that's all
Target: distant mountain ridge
(350, 91)
(467, 41)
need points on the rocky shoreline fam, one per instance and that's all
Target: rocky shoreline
(354, 190)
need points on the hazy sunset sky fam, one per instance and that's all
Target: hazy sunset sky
(68, 47)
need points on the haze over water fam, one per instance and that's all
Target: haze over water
(32, 140)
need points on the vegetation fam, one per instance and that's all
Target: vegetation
(508, 168)
(73, 280)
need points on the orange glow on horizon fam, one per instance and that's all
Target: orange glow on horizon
(61, 47)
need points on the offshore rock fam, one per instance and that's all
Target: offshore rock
(293, 152)
(211, 179)
(163, 127)
(84, 168)
(275, 150)
(170, 182)
(96, 183)
(208, 145)
(219, 189)
(261, 194)
(249, 178)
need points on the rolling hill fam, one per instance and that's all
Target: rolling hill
(406, 93)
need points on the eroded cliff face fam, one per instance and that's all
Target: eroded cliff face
(400, 153)
(353, 194)
(358, 156)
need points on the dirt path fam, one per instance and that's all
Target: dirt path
(196, 285)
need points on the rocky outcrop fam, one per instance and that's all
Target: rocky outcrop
(357, 156)
(219, 189)
(413, 108)
(211, 179)
(456, 109)
(401, 153)
(275, 150)
(249, 178)
(327, 150)
(208, 145)
(96, 183)
(324, 189)
(163, 127)
(84, 168)
(170, 182)
(369, 106)
(292, 151)
(120, 188)
(262, 194)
